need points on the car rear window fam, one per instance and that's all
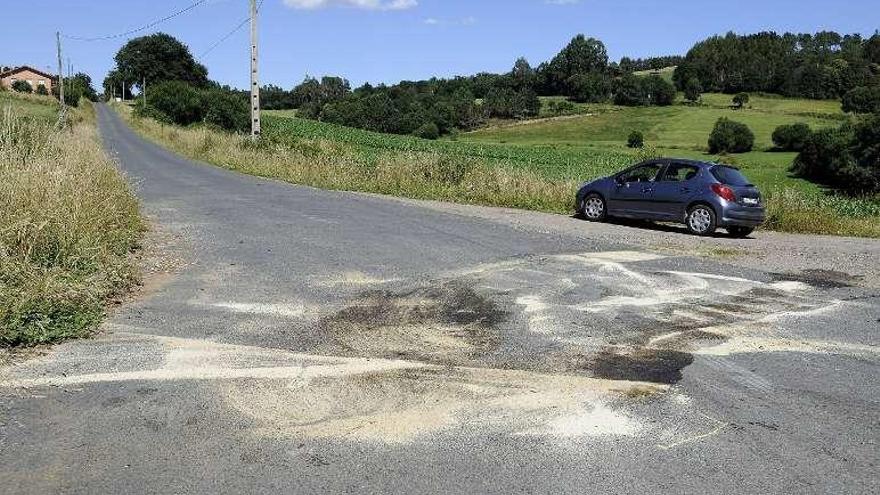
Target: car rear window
(730, 176)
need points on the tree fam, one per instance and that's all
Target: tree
(594, 87)
(628, 91)
(41, 90)
(657, 91)
(522, 74)
(847, 158)
(862, 100)
(581, 56)
(693, 90)
(729, 136)
(158, 58)
(226, 109)
(22, 87)
(791, 137)
(180, 102)
(636, 140)
(428, 131)
(740, 100)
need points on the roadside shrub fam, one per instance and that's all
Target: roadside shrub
(22, 87)
(740, 100)
(730, 136)
(862, 100)
(180, 102)
(847, 158)
(226, 110)
(791, 137)
(636, 140)
(42, 91)
(428, 131)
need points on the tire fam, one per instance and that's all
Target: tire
(701, 220)
(740, 232)
(594, 208)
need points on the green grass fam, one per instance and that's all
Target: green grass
(68, 222)
(666, 73)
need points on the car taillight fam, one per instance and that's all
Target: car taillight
(724, 192)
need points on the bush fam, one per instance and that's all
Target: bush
(428, 131)
(693, 90)
(22, 87)
(791, 137)
(594, 87)
(862, 100)
(729, 136)
(847, 158)
(628, 92)
(740, 100)
(636, 140)
(226, 110)
(177, 100)
(41, 90)
(658, 91)
(560, 107)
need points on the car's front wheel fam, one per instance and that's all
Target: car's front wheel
(700, 220)
(593, 208)
(740, 232)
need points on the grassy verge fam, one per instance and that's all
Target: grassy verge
(68, 222)
(542, 178)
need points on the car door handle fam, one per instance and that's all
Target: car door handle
(647, 189)
(685, 189)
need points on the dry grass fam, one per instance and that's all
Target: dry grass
(68, 221)
(424, 174)
(331, 164)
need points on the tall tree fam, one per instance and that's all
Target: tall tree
(159, 57)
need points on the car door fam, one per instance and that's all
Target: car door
(673, 190)
(634, 190)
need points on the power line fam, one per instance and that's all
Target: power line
(142, 28)
(228, 35)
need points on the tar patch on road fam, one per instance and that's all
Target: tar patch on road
(448, 322)
(821, 279)
(642, 365)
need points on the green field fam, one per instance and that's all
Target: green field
(43, 107)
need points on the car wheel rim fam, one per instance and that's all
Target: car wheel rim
(700, 220)
(593, 208)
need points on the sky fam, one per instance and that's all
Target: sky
(391, 40)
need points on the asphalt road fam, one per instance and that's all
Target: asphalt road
(312, 341)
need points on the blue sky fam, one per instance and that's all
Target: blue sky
(390, 40)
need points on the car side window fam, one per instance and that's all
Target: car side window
(645, 173)
(679, 172)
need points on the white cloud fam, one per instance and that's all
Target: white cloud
(359, 4)
(465, 21)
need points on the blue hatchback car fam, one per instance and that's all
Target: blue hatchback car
(703, 196)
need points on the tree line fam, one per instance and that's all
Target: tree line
(824, 65)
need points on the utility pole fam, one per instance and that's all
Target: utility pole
(255, 82)
(60, 72)
(144, 91)
(123, 90)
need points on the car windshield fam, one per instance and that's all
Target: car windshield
(730, 176)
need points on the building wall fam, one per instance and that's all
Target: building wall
(31, 77)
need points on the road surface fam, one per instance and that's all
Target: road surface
(312, 341)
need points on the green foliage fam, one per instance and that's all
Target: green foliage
(740, 100)
(157, 58)
(226, 109)
(311, 96)
(41, 90)
(507, 103)
(791, 137)
(847, 158)
(635, 140)
(428, 130)
(862, 100)
(180, 102)
(22, 87)
(821, 66)
(652, 63)
(730, 136)
(594, 87)
(658, 91)
(693, 90)
(581, 56)
(628, 91)
(560, 107)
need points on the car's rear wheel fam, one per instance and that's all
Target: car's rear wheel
(740, 232)
(593, 208)
(700, 220)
